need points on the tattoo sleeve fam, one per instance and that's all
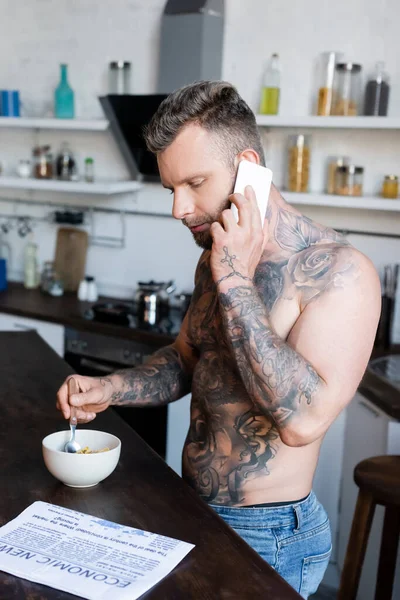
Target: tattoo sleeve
(162, 379)
(278, 379)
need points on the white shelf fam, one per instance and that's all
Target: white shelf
(71, 124)
(277, 121)
(102, 188)
(360, 202)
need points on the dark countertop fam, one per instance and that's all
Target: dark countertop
(382, 394)
(142, 492)
(69, 311)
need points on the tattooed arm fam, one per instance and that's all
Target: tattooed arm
(165, 377)
(303, 383)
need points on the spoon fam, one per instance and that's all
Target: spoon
(72, 446)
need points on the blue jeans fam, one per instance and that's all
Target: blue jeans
(294, 539)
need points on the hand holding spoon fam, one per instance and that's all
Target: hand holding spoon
(72, 446)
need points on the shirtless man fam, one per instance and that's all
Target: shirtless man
(274, 344)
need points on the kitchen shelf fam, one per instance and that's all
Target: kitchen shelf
(278, 121)
(101, 188)
(71, 124)
(359, 202)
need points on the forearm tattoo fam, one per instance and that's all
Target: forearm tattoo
(162, 379)
(276, 376)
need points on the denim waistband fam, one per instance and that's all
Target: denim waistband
(291, 515)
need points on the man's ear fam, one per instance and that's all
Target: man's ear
(248, 154)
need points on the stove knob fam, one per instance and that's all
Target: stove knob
(127, 353)
(83, 346)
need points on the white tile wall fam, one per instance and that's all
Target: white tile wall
(36, 36)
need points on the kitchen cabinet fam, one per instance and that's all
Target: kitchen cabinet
(368, 432)
(177, 428)
(52, 333)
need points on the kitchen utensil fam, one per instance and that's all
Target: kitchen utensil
(152, 300)
(70, 256)
(81, 470)
(72, 446)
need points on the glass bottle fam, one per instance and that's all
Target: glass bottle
(65, 163)
(377, 93)
(89, 170)
(64, 104)
(271, 87)
(299, 163)
(31, 273)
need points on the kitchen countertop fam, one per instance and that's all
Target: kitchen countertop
(69, 311)
(143, 492)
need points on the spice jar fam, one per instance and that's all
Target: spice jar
(349, 180)
(333, 163)
(390, 187)
(347, 89)
(43, 162)
(326, 73)
(298, 163)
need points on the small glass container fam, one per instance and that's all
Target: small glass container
(120, 77)
(298, 163)
(349, 180)
(43, 162)
(89, 170)
(347, 90)
(24, 169)
(333, 163)
(390, 187)
(326, 74)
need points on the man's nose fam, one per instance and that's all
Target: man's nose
(183, 205)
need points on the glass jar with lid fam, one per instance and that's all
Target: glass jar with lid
(390, 187)
(347, 90)
(333, 163)
(349, 180)
(298, 163)
(120, 77)
(326, 73)
(43, 162)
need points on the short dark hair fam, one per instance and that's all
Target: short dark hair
(214, 105)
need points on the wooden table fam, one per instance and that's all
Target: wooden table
(142, 492)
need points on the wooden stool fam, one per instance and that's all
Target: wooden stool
(378, 480)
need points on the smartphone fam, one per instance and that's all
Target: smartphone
(260, 179)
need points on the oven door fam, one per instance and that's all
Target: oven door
(149, 422)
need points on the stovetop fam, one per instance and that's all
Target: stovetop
(168, 325)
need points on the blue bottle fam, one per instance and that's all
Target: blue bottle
(64, 96)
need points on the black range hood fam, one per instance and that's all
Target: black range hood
(128, 115)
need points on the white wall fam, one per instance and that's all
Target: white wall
(36, 36)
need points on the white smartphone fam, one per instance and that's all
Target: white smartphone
(260, 179)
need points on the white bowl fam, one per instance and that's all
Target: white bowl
(81, 470)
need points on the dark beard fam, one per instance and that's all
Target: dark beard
(204, 238)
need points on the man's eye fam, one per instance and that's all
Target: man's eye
(197, 184)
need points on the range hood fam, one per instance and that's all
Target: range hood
(190, 50)
(128, 114)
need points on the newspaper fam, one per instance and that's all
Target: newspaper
(86, 556)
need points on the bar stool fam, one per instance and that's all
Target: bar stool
(378, 479)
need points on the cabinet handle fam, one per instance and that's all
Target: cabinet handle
(24, 327)
(369, 408)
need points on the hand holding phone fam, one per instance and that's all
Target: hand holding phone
(260, 179)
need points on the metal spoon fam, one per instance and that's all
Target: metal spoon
(72, 446)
